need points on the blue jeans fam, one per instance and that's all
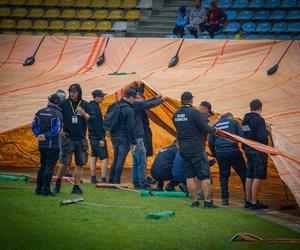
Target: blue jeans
(121, 148)
(139, 163)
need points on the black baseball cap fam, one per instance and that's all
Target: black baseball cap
(98, 93)
(207, 105)
(54, 99)
(130, 93)
(186, 96)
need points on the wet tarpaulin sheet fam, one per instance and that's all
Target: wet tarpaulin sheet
(228, 73)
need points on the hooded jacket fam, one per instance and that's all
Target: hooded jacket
(95, 125)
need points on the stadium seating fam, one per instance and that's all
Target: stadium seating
(5, 12)
(17, 2)
(188, 37)
(100, 14)
(220, 37)
(293, 15)
(245, 15)
(97, 4)
(128, 4)
(52, 13)
(36, 13)
(277, 15)
(7, 24)
(19, 12)
(225, 4)
(119, 26)
(103, 25)
(294, 27)
(240, 4)
(24, 24)
(116, 14)
(90, 34)
(50, 3)
(66, 3)
(68, 13)
(84, 14)
(288, 4)
(113, 4)
(40, 25)
(88, 25)
(280, 27)
(256, 4)
(56, 25)
(4, 2)
(72, 25)
(170, 36)
(34, 3)
(264, 27)
(272, 4)
(232, 27)
(231, 14)
(251, 37)
(248, 27)
(284, 37)
(261, 15)
(82, 3)
(132, 15)
(204, 37)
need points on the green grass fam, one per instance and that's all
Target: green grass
(31, 222)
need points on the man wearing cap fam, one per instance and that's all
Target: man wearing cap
(181, 22)
(97, 137)
(228, 154)
(123, 137)
(76, 112)
(191, 126)
(46, 126)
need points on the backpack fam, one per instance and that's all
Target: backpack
(112, 116)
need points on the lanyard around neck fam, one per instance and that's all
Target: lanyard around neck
(75, 111)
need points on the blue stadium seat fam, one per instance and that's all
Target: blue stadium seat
(248, 27)
(231, 14)
(251, 37)
(245, 15)
(261, 15)
(277, 15)
(293, 15)
(225, 4)
(204, 37)
(232, 27)
(284, 37)
(206, 3)
(280, 27)
(240, 4)
(220, 37)
(170, 36)
(294, 27)
(272, 4)
(256, 4)
(264, 27)
(297, 37)
(188, 36)
(288, 4)
(267, 37)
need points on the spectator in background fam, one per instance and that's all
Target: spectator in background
(215, 20)
(181, 22)
(197, 17)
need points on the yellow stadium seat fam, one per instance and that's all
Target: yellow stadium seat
(19, 12)
(85, 13)
(58, 34)
(17, 2)
(116, 14)
(88, 25)
(40, 25)
(56, 25)
(24, 24)
(4, 12)
(36, 13)
(43, 33)
(100, 14)
(9, 32)
(104, 25)
(26, 33)
(72, 25)
(50, 3)
(4, 2)
(66, 3)
(52, 13)
(82, 3)
(68, 13)
(113, 4)
(74, 34)
(97, 4)
(34, 3)
(132, 15)
(90, 34)
(7, 24)
(129, 4)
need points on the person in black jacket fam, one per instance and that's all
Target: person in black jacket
(255, 129)
(123, 137)
(76, 112)
(139, 155)
(161, 169)
(46, 125)
(97, 137)
(228, 154)
(191, 126)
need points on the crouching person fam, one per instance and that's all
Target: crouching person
(46, 126)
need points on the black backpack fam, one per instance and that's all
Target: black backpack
(112, 116)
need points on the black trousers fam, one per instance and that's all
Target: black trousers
(178, 30)
(225, 162)
(48, 159)
(211, 29)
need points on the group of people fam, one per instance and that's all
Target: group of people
(61, 130)
(200, 20)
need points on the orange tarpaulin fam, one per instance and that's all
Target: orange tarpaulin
(228, 73)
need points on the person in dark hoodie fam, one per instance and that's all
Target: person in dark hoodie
(123, 137)
(76, 112)
(228, 154)
(255, 129)
(46, 125)
(139, 155)
(97, 137)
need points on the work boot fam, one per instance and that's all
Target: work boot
(225, 202)
(94, 180)
(209, 204)
(57, 186)
(103, 180)
(76, 190)
(247, 204)
(195, 204)
(258, 206)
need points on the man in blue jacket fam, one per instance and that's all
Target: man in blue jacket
(46, 125)
(97, 137)
(181, 22)
(255, 129)
(228, 154)
(123, 137)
